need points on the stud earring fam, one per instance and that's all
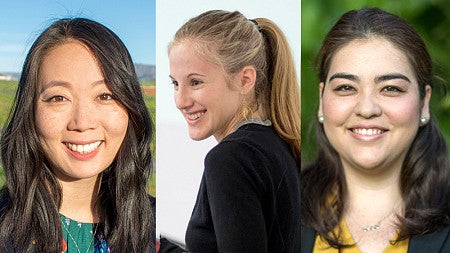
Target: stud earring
(321, 119)
(423, 121)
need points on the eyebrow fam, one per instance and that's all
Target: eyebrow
(56, 83)
(391, 76)
(378, 79)
(190, 75)
(344, 76)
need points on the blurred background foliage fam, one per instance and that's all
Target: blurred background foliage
(431, 18)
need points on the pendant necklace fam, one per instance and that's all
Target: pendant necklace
(73, 239)
(377, 225)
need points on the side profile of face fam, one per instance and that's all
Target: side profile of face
(208, 103)
(79, 123)
(371, 105)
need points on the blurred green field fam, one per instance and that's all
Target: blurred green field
(7, 93)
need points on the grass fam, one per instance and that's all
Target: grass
(8, 91)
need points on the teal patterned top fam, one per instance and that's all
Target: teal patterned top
(80, 237)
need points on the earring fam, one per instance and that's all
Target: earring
(246, 110)
(321, 119)
(423, 121)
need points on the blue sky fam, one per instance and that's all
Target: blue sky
(21, 22)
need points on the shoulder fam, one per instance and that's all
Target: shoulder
(438, 241)
(251, 146)
(250, 141)
(252, 157)
(308, 237)
(4, 200)
(153, 228)
(152, 202)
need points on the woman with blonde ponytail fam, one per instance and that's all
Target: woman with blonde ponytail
(235, 79)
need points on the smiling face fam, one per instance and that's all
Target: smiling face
(79, 124)
(371, 105)
(208, 103)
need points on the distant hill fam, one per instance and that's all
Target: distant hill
(145, 73)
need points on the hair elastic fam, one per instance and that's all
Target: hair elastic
(256, 23)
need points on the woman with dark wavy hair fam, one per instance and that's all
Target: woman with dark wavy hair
(379, 182)
(76, 150)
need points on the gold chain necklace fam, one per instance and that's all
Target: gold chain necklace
(73, 239)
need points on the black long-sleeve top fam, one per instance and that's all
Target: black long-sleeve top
(249, 196)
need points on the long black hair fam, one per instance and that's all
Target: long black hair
(426, 167)
(32, 195)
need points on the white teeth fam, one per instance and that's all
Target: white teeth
(195, 116)
(83, 149)
(370, 131)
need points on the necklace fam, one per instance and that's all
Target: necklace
(73, 239)
(377, 225)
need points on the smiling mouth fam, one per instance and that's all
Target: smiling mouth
(83, 149)
(367, 131)
(195, 116)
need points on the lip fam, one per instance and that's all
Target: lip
(367, 132)
(88, 154)
(193, 117)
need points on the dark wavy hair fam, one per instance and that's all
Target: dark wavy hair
(32, 195)
(426, 167)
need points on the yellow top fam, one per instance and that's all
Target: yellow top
(321, 245)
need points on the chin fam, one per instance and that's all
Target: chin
(198, 136)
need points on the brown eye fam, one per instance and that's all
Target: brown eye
(392, 89)
(344, 88)
(105, 96)
(56, 99)
(195, 82)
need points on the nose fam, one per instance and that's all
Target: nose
(84, 116)
(367, 106)
(182, 97)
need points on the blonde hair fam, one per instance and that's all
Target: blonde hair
(233, 42)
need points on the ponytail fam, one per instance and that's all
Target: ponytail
(285, 92)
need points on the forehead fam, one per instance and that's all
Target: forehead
(186, 56)
(69, 58)
(372, 56)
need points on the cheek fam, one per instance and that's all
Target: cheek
(402, 112)
(336, 109)
(116, 121)
(48, 124)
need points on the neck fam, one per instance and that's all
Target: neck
(232, 126)
(78, 199)
(373, 195)
(374, 203)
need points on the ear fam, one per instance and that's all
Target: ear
(247, 78)
(320, 111)
(426, 103)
